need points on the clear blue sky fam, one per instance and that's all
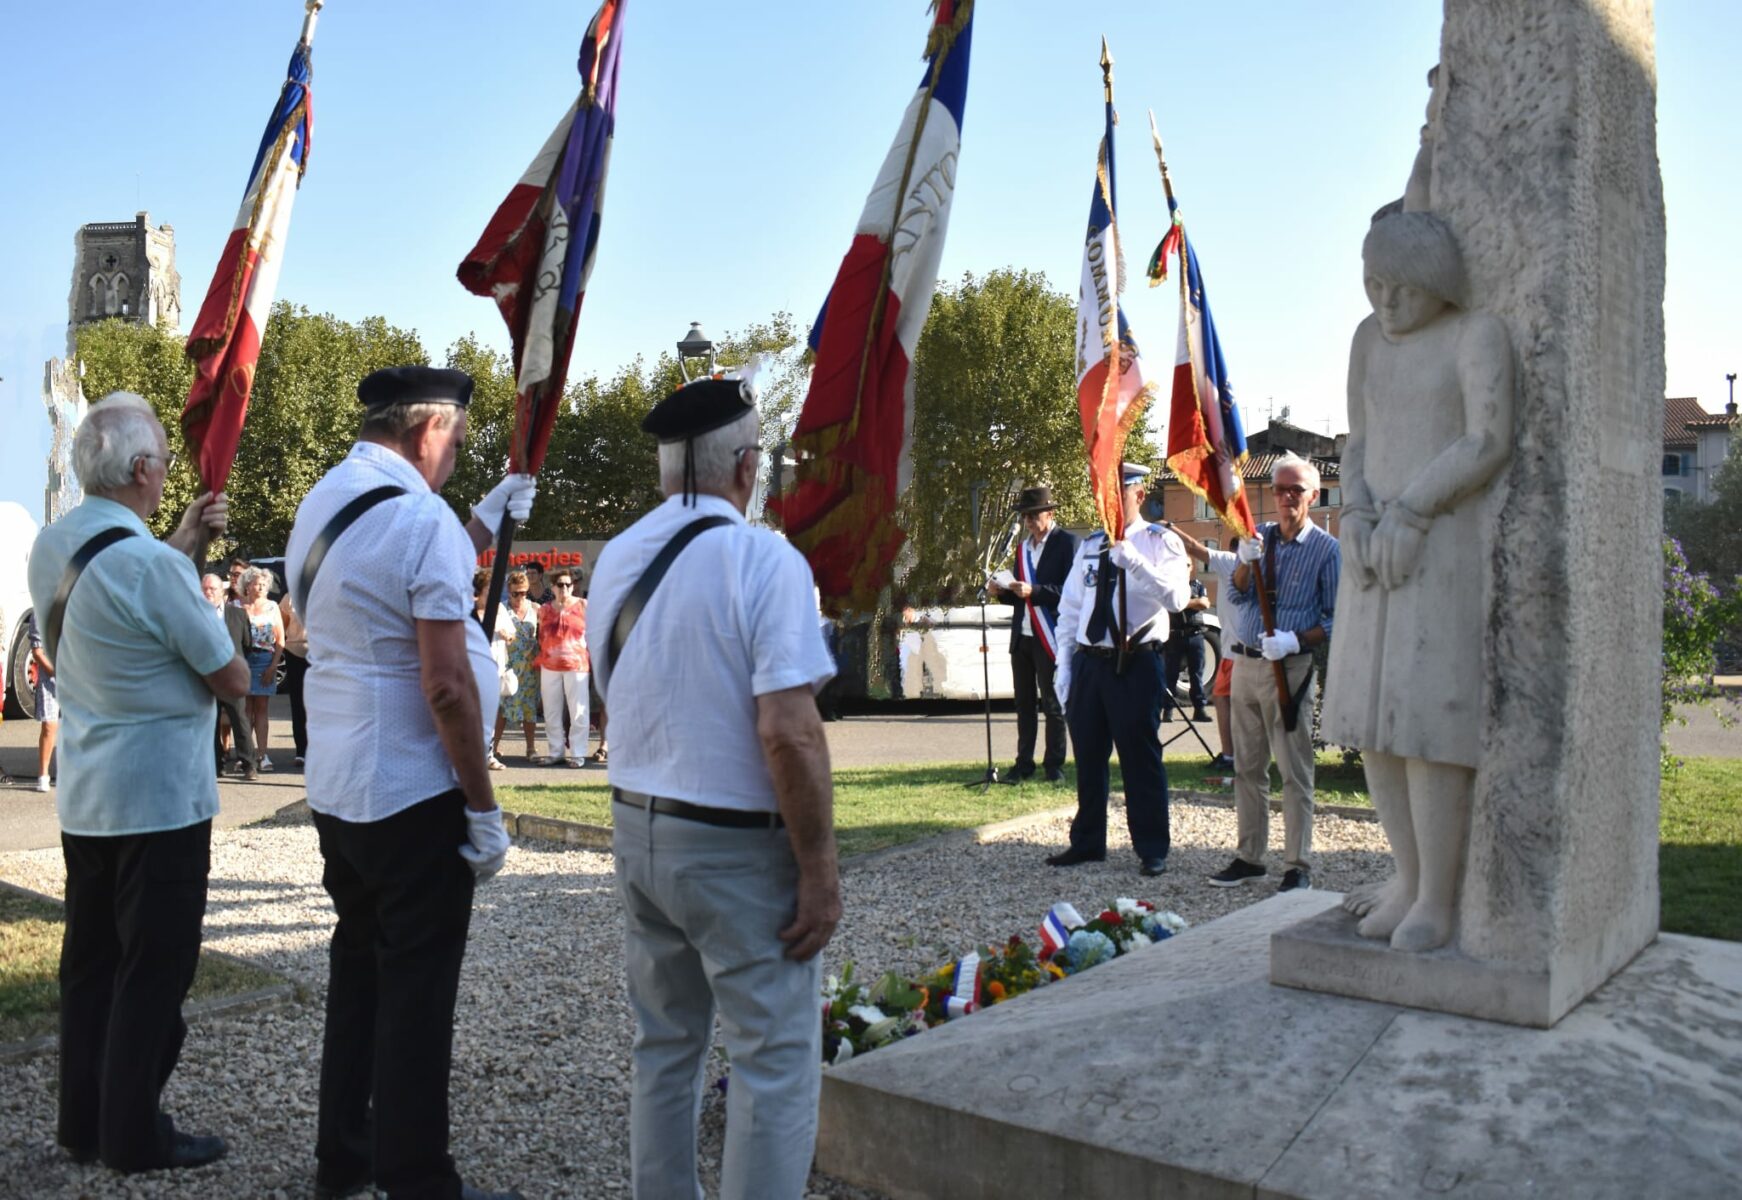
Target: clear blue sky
(747, 136)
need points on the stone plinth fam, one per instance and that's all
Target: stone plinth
(1182, 1072)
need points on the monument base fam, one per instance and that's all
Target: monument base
(1181, 1071)
(1324, 953)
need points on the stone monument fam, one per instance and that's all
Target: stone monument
(1540, 163)
(1518, 1027)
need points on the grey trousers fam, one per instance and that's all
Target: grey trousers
(1255, 718)
(703, 907)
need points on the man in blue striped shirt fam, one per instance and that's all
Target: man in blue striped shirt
(1300, 565)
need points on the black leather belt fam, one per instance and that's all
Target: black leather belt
(729, 818)
(1113, 651)
(1249, 652)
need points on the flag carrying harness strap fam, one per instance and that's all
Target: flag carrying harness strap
(342, 520)
(57, 609)
(644, 587)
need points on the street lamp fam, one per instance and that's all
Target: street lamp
(695, 344)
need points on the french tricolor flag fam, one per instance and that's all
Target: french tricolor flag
(536, 253)
(1055, 929)
(854, 433)
(964, 996)
(1111, 392)
(224, 342)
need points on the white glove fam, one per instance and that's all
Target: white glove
(1061, 687)
(1120, 555)
(1251, 550)
(1280, 645)
(512, 496)
(486, 842)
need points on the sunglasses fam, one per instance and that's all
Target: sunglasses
(562, 583)
(521, 592)
(1290, 491)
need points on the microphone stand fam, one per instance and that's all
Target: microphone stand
(985, 781)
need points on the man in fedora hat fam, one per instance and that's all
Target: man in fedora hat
(1042, 564)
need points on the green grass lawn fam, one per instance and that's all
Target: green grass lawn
(1700, 860)
(877, 807)
(30, 936)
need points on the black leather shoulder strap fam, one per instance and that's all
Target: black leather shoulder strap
(57, 609)
(643, 589)
(342, 520)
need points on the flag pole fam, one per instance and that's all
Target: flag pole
(1113, 364)
(313, 8)
(505, 531)
(1265, 609)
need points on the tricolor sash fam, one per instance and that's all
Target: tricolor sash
(1038, 620)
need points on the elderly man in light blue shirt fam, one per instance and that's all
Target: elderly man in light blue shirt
(138, 660)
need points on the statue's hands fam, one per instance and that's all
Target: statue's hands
(1395, 548)
(1355, 537)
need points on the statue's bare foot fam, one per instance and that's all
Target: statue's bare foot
(1364, 900)
(1427, 927)
(1388, 913)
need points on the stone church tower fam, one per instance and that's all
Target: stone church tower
(124, 269)
(121, 269)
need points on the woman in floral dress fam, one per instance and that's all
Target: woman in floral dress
(522, 706)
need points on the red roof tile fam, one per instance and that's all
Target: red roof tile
(1677, 412)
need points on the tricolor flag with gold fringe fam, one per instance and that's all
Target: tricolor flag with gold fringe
(1206, 440)
(854, 435)
(1111, 391)
(224, 342)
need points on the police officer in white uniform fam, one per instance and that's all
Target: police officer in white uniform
(1113, 623)
(400, 687)
(722, 813)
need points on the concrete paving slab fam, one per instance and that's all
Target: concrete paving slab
(1182, 1071)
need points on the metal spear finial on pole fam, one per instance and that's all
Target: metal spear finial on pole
(313, 9)
(1161, 159)
(1106, 69)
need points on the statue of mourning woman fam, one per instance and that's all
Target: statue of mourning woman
(1430, 426)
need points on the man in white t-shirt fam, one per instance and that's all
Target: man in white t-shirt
(722, 808)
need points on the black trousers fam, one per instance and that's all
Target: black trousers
(1107, 710)
(1186, 650)
(1031, 672)
(241, 731)
(132, 943)
(295, 667)
(403, 896)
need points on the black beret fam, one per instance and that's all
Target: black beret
(414, 385)
(698, 408)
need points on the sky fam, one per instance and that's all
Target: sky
(747, 137)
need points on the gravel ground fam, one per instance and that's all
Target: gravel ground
(541, 1053)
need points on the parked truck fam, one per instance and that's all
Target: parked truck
(17, 535)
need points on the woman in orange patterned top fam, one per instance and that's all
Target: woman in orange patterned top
(563, 670)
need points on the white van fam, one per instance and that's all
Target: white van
(17, 535)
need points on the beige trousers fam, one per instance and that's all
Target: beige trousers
(1256, 721)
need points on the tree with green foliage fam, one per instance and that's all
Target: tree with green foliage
(995, 399)
(302, 416)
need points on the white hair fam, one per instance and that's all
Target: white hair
(1309, 473)
(250, 575)
(716, 456)
(396, 420)
(118, 430)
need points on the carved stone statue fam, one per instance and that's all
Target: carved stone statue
(1430, 424)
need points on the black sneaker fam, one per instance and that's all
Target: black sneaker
(1222, 762)
(1296, 879)
(1153, 867)
(1236, 873)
